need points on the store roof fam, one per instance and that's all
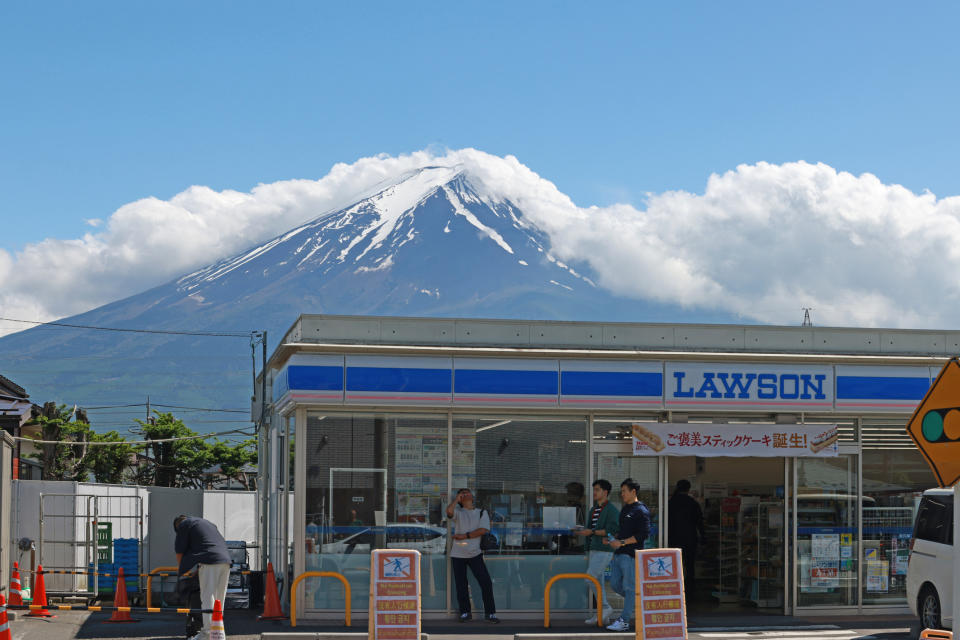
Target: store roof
(611, 337)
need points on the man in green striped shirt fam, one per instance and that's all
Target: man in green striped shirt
(602, 519)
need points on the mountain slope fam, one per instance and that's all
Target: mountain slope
(436, 242)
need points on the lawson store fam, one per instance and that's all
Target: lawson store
(792, 438)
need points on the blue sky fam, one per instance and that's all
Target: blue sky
(104, 103)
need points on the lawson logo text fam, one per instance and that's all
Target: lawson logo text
(741, 385)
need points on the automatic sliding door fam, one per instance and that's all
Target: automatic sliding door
(827, 494)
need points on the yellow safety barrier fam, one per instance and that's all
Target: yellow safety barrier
(318, 574)
(572, 576)
(937, 634)
(150, 577)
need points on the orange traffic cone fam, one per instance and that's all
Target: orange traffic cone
(16, 597)
(120, 601)
(4, 625)
(39, 597)
(271, 600)
(217, 632)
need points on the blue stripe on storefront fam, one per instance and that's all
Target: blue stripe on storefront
(614, 383)
(314, 378)
(510, 382)
(881, 388)
(397, 379)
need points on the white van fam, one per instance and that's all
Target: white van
(930, 573)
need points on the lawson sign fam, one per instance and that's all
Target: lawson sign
(716, 385)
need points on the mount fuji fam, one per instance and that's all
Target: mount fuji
(439, 240)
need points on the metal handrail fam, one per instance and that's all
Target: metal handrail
(574, 576)
(318, 574)
(150, 577)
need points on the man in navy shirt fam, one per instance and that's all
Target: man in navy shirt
(200, 545)
(634, 529)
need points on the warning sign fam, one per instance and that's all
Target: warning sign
(661, 609)
(394, 595)
(935, 425)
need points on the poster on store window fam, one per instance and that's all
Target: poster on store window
(824, 574)
(878, 576)
(825, 546)
(735, 440)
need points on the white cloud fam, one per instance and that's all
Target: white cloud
(761, 241)
(93, 222)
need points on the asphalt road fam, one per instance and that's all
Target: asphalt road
(68, 625)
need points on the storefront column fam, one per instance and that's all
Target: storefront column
(450, 490)
(299, 497)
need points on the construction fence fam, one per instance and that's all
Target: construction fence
(99, 528)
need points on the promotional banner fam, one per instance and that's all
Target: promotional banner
(735, 440)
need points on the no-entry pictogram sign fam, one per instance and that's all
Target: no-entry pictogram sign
(394, 595)
(661, 607)
(935, 425)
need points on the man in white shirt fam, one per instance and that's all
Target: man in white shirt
(469, 525)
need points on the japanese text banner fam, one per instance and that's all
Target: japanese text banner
(735, 440)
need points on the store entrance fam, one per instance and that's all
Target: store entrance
(740, 560)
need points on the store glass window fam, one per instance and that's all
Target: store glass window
(894, 478)
(372, 482)
(827, 497)
(531, 475)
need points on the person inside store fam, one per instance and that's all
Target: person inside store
(202, 552)
(634, 530)
(469, 526)
(604, 518)
(685, 526)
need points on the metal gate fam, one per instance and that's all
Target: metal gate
(67, 541)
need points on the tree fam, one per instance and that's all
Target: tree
(233, 458)
(67, 433)
(110, 463)
(172, 464)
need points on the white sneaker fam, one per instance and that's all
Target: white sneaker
(607, 614)
(619, 625)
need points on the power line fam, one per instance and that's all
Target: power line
(98, 443)
(165, 406)
(175, 406)
(212, 334)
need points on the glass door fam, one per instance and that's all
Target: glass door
(827, 531)
(735, 556)
(615, 463)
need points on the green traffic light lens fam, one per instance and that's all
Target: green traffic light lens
(932, 426)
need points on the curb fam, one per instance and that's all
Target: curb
(315, 635)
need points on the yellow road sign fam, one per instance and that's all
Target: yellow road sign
(935, 425)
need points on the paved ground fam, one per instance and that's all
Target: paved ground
(242, 625)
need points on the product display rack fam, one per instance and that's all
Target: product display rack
(762, 559)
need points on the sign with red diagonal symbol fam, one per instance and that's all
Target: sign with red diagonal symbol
(661, 608)
(394, 595)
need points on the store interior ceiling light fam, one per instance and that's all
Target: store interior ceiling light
(494, 425)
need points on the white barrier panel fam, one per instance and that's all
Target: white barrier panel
(394, 595)
(661, 608)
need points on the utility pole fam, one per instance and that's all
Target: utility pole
(807, 322)
(148, 408)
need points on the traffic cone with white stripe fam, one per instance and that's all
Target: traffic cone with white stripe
(217, 631)
(4, 624)
(120, 601)
(16, 596)
(39, 597)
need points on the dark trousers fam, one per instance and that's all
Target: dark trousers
(689, 555)
(190, 596)
(479, 569)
